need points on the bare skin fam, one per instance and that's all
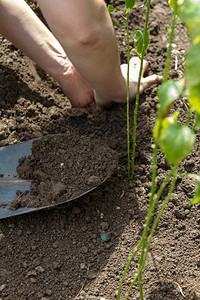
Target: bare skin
(90, 72)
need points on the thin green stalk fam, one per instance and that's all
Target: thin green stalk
(138, 89)
(149, 214)
(151, 204)
(167, 198)
(188, 117)
(190, 175)
(128, 98)
(154, 173)
(134, 133)
(120, 13)
(127, 267)
(169, 50)
(140, 285)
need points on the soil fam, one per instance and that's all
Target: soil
(63, 167)
(61, 253)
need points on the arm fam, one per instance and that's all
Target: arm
(85, 30)
(22, 27)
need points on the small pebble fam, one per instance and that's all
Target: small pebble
(19, 232)
(82, 266)
(33, 280)
(94, 180)
(84, 229)
(2, 287)
(55, 245)
(101, 215)
(39, 269)
(84, 250)
(57, 266)
(88, 220)
(33, 247)
(24, 264)
(1, 236)
(48, 293)
(76, 210)
(92, 276)
(104, 226)
(179, 215)
(108, 245)
(195, 234)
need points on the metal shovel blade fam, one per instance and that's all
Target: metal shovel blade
(10, 181)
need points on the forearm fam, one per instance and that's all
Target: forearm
(85, 31)
(22, 27)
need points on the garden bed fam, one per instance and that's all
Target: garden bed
(60, 253)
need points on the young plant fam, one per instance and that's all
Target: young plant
(174, 139)
(141, 39)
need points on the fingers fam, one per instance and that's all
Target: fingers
(91, 107)
(149, 81)
(135, 63)
(145, 67)
(134, 68)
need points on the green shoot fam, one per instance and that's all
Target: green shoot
(175, 140)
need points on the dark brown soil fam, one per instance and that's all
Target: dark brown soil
(63, 167)
(59, 253)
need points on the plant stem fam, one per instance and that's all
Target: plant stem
(190, 175)
(149, 214)
(127, 266)
(127, 105)
(188, 117)
(138, 89)
(120, 13)
(167, 198)
(169, 50)
(154, 173)
(134, 137)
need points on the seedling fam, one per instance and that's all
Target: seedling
(141, 39)
(176, 140)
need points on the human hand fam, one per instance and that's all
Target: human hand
(77, 89)
(134, 70)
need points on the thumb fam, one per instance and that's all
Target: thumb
(149, 81)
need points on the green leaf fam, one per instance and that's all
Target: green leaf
(141, 40)
(191, 16)
(194, 97)
(167, 94)
(115, 23)
(173, 3)
(192, 69)
(110, 8)
(176, 142)
(162, 124)
(196, 199)
(197, 120)
(130, 4)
